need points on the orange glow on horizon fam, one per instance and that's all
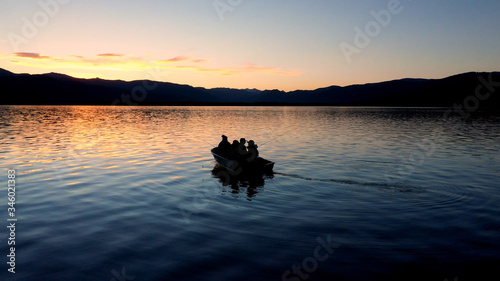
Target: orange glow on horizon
(125, 62)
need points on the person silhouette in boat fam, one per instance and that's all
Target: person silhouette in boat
(242, 149)
(252, 151)
(243, 155)
(224, 148)
(234, 150)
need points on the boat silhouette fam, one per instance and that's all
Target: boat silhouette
(255, 166)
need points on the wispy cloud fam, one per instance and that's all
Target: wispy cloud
(122, 62)
(176, 59)
(110, 55)
(30, 55)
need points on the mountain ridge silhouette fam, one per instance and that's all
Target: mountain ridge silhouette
(60, 89)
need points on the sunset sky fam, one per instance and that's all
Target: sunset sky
(263, 44)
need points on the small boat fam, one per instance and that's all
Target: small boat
(258, 165)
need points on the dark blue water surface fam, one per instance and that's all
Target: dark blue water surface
(127, 193)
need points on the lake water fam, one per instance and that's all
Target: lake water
(127, 193)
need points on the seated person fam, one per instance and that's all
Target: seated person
(252, 150)
(242, 149)
(224, 148)
(234, 150)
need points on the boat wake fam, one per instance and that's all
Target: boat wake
(380, 185)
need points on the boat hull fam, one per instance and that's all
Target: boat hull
(258, 165)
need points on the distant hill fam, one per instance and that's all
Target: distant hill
(4, 72)
(60, 89)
